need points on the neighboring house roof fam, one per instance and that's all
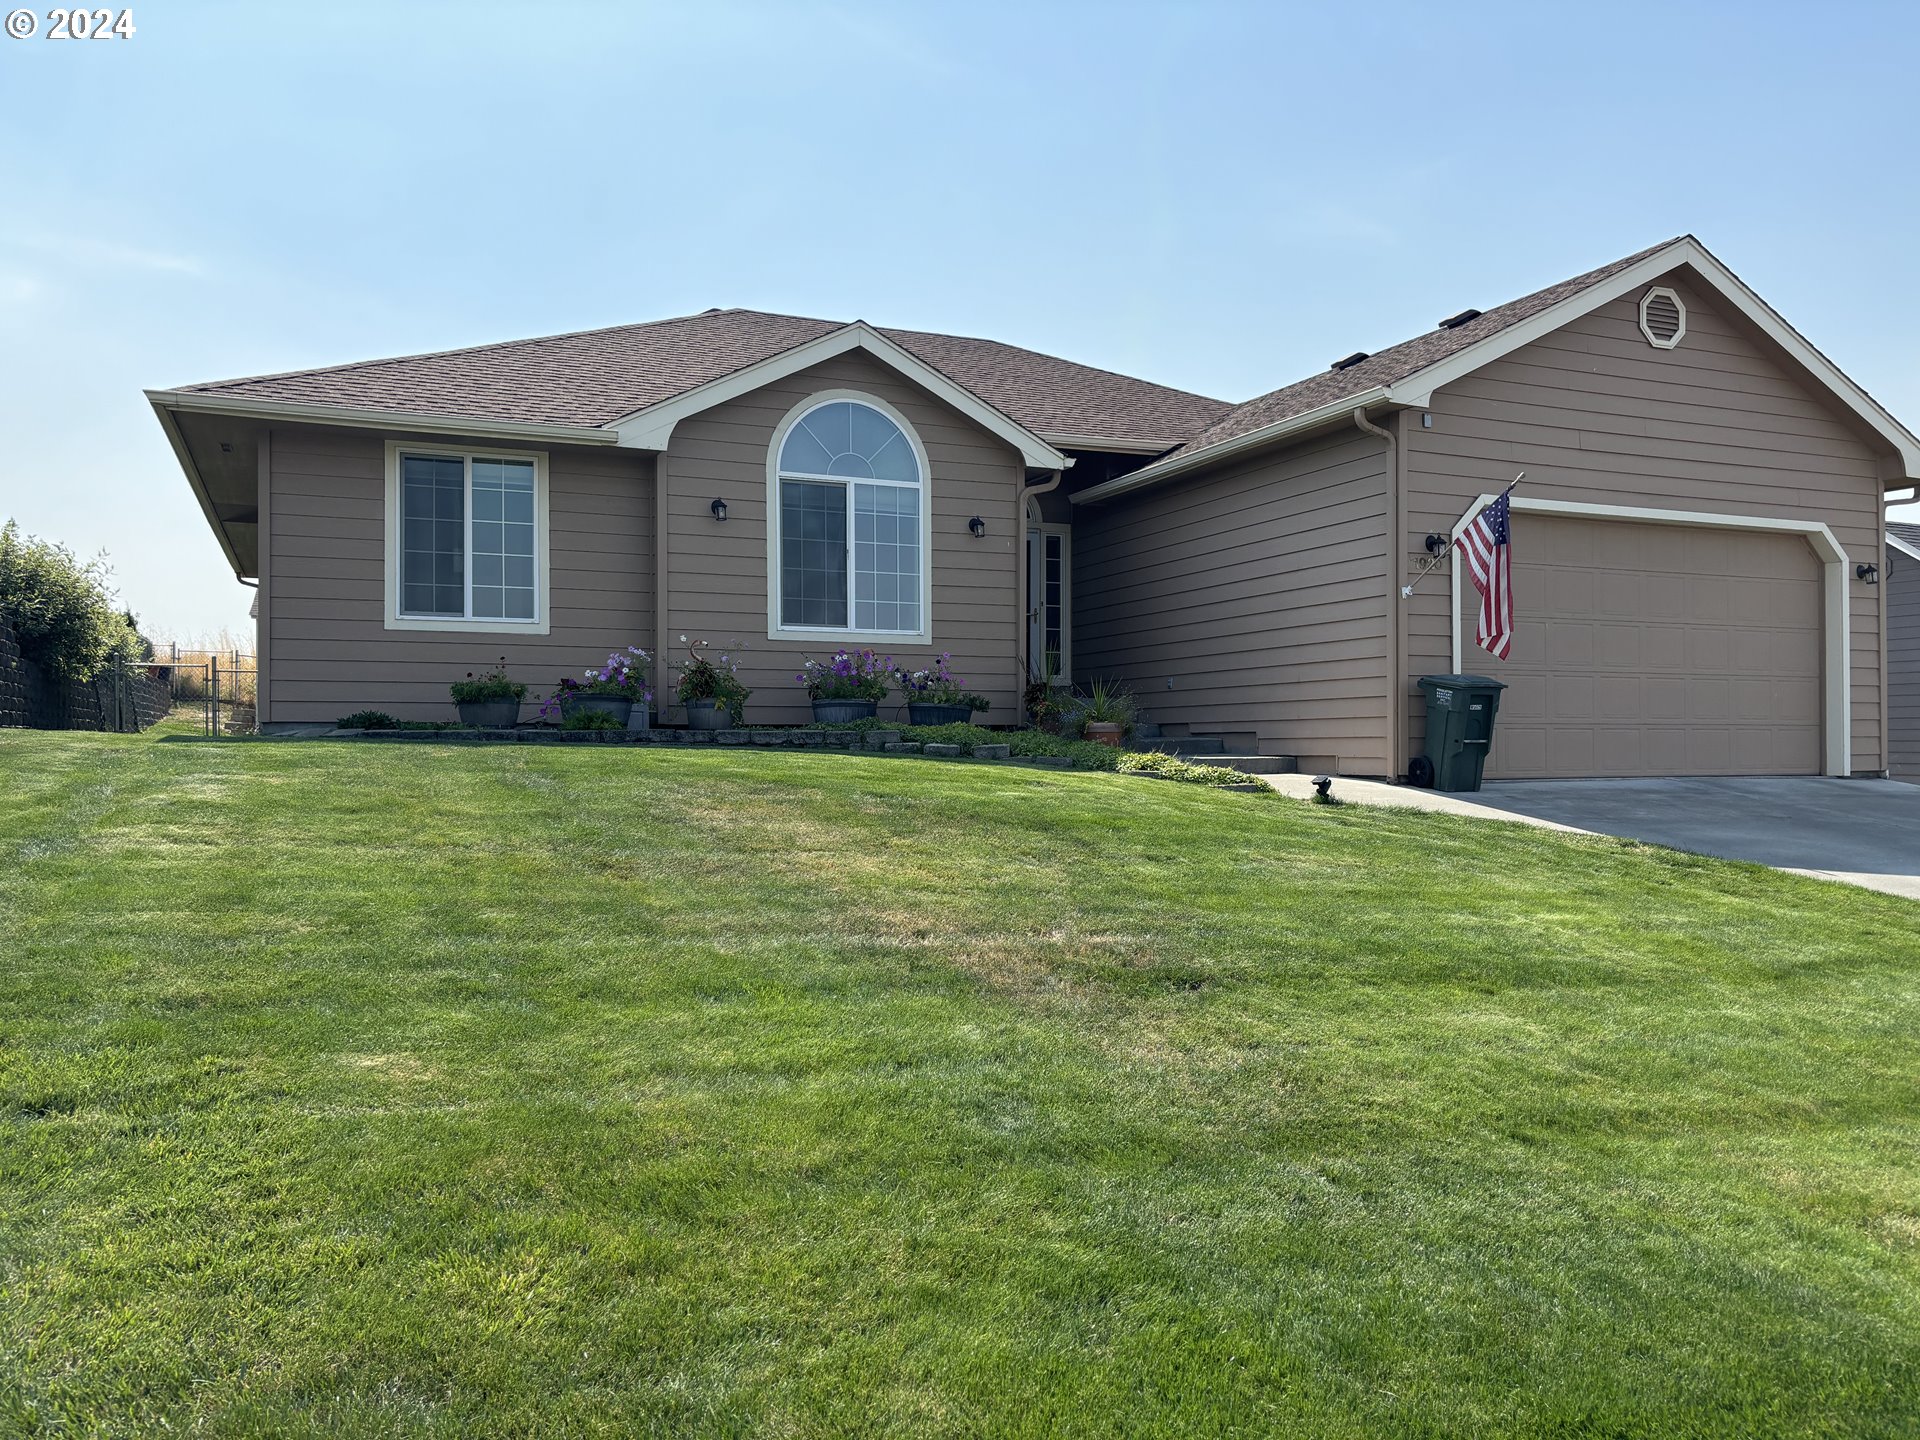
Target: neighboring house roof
(1406, 374)
(595, 378)
(1905, 538)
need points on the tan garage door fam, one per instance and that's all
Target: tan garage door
(1656, 650)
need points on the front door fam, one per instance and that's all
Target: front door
(1049, 641)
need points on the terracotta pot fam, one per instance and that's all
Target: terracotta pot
(1104, 732)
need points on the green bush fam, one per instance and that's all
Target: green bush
(62, 609)
(367, 720)
(591, 720)
(1172, 767)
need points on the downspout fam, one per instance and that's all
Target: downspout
(1027, 519)
(1396, 615)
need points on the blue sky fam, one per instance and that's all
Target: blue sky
(1219, 196)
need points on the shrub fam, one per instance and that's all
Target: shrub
(494, 685)
(62, 609)
(367, 720)
(591, 720)
(702, 678)
(1172, 767)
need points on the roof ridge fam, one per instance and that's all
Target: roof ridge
(502, 345)
(1048, 355)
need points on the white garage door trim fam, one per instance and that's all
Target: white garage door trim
(1837, 719)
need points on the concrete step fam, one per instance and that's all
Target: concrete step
(1188, 745)
(1257, 764)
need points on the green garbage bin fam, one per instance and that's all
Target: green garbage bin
(1460, 711)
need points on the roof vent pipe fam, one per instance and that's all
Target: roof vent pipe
(1351, 361)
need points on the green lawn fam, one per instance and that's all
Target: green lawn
(443, 1091)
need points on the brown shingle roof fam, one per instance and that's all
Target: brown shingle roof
(594, 377)
(1387, 367)
(1906, 531)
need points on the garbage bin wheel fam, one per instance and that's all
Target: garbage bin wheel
(1420, 772)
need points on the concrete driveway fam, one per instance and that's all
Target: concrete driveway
(1865, 832)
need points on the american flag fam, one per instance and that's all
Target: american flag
(1487, 547)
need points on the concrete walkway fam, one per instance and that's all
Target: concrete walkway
(1860, 832)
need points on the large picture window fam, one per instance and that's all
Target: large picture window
(467, 547)
(851, 534)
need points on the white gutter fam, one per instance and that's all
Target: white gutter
(1106, 445)
(206, 403)
(1340, 410)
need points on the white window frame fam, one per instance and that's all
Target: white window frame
(397, 619)
(828, 634)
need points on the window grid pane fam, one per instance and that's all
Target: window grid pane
(813, 554)
(886, 558)
(503, 540)
(433, 541)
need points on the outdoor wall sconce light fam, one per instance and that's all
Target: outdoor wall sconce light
(719, 508)
(1868, 573)
(1436, 544)
(977, 526)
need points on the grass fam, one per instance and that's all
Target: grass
(459, 1092)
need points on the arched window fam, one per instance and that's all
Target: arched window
(850, 508)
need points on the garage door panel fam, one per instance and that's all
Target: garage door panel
(1657, 650)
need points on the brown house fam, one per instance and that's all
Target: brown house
(1703, 492)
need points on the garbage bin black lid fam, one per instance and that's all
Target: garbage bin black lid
(1461, 682)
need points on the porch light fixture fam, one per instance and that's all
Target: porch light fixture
(977, 526)
(719, 508)
(1436, 544)
(1868, 573)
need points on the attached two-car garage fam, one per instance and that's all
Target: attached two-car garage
(1646, 649)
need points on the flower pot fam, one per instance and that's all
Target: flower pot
(839, 712)
(620, 707)
(489, 714)
(708, 715)
(926, 712)
(1104, 732)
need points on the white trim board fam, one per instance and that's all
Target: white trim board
(1415, 391)
(206, 404)
(652, 428)
(1836, 729)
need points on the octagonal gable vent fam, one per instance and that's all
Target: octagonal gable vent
(1663, 319)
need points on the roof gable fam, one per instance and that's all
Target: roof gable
(1406, 375)
(1905, 538)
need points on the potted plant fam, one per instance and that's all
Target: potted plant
(1106, 713)
(613, 690)
(710, 688)
(936, 696)
(490, 701)
(848, 685)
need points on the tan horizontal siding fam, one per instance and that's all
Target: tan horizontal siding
(329, 650)
(1902, 581)
(1594, 413)
(1253, 598)
(718, 570)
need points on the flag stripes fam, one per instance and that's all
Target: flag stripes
(1487, 547)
